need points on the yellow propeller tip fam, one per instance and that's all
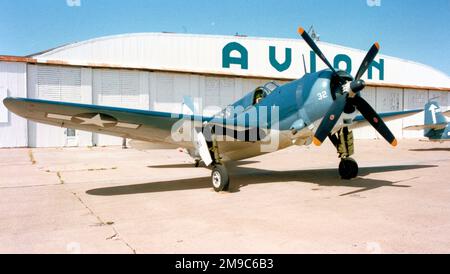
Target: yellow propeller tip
(317, 142)
(394, 143)
(377, 45)
(301, 30)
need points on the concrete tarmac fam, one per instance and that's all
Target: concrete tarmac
(109, 200)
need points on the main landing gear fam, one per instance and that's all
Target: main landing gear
(219, 175)
(343, 141)
(348, 168)
(219, 178)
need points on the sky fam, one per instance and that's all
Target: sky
(416, 30)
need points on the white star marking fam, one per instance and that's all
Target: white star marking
(96, 121)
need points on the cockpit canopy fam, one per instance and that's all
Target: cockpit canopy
(249, 100)
(261, 92)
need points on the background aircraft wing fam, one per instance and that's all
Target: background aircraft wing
(432, 126)
(143, 125)
(360, 121)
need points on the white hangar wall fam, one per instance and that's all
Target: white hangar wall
(158, 91)
(204, 54)
(120, 88)
(13, 129)
(155, 71)
(165, 91)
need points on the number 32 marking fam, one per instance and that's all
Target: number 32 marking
(322, 95)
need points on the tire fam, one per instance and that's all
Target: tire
(348, 169)
(220, 179)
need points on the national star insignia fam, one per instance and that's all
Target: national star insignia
(94, 119)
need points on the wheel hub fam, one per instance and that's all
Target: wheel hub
(216, 179)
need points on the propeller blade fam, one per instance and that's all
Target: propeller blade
(330, 119)
(367, 60)
(315, 48)
(374, 119)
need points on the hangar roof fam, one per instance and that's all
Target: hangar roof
(270, 58)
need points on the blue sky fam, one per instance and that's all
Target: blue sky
(413, 29)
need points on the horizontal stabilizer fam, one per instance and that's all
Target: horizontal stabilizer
(432, 126)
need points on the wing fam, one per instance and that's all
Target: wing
(149, 126)
(360, 121)
(447, 113)
(421, 127)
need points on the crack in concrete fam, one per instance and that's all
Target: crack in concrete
(81, 170)
(30, 186)
(30, 154)
(60, 177)
(116, 235)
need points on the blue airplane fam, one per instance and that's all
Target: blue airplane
(319, 105)
(435, 127)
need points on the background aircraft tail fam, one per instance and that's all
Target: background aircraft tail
(435, 121)
(433, 114)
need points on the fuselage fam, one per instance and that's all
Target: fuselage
(290, 112)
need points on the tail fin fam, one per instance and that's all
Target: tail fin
(433, 114)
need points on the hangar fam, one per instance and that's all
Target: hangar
(156, 70)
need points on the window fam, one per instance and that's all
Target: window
(271, 86)
(70, 132)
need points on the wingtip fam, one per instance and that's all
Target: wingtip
(394, 143)
(7, 101)
(317, 142)
(11, 103)
(377, 45)
(301, 30)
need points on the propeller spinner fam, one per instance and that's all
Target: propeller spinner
(349, 95)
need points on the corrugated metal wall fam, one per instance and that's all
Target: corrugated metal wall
(59, 84)
(161, 92)
(13, 129)
(119, 88)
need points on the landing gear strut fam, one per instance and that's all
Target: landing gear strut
(343, 141)
(219, 175)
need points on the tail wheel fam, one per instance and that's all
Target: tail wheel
(348, 169)
(220, 179)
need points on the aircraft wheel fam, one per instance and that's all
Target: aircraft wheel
(219, 178)
(348, 169)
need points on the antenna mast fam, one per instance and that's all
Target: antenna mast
(314, 35)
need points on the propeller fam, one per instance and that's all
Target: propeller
(349, 96)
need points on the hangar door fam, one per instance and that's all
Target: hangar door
(119, 88)
(57, 83)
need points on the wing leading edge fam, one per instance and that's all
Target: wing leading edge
(150, 126)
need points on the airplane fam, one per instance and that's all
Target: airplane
(270, 118)
(435, 127)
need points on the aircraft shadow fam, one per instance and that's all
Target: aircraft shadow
(431, 149)
(249, 176)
